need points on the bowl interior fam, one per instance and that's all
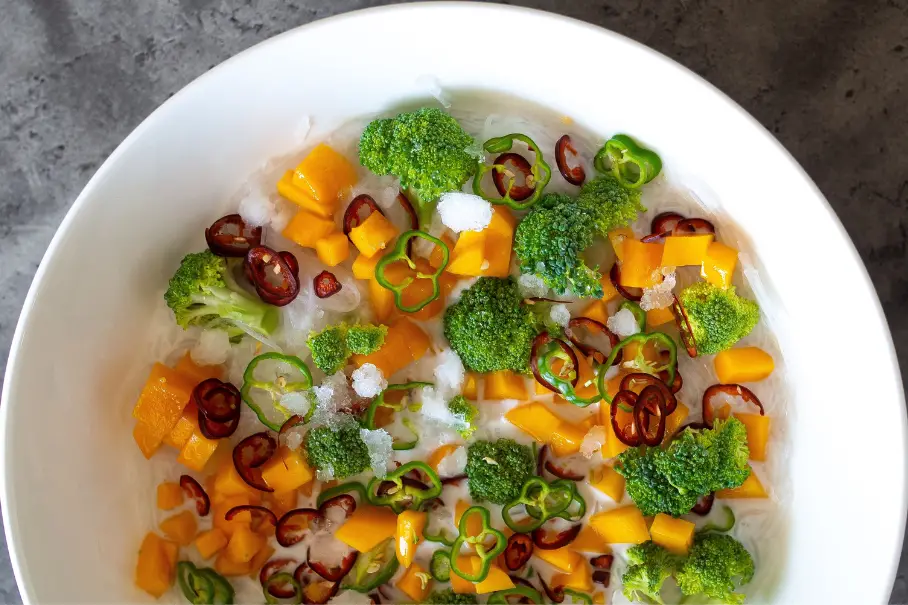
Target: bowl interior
(76, 502)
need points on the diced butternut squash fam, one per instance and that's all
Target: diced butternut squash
(718, 267)
(405, 342)
(418, 292)
(381, 300)
(416, 583)
(609, 292)
(504, 385)
(743, 364)
(567, 437)
(229, 568)
(596, 310)
(333, 249)
(617, 237)
(535, 419)
(227, 482)
(751, 488)
(471, 386)
(598, 598)
(284, 502)
(685, 250)
(495, 581)
(458, 584)
(220, 509)
(757, 434)
(364, 266)
(367, 527)
(196, 373)
(590, 541)
(197, 451)
(146, 439)
(243, 544)
(436, 256)
(499, 243)
(302, 196)
(624, 525)
(563, 559)
(210, 543)
(468, 254)
(417, 340)
(188, 423)
(181, 528)
(410, 525)
(170, 495)
(658, 317)
(675, 420)
(440, 453)
(641, 265)
(474, 522)
(580, 579)
(259, 560)
(287, 470)
(325, 174)
(612, 446)
(674, 535)
(373, 235)
(156, 565)
(306, 228)
(161, 402)
(608, 481)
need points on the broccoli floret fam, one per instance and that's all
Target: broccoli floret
(714, 562)
(366, 339)
(649, 565)
(718, 318)
(496, 470)
(203, 293)
(466, 413)
(490, 327)
(340, 452)
(329, 348)
(648, 487)
(611, 204)
(703, 461)
(426, 149)
(449, 597)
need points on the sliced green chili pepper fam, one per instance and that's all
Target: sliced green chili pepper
(267, 379)
(403, 495)
(379, 402)
(576, 507)
(542, 501)
(577, 596)
(551, 352)
(343, 488)
(519, 592)
(203, 586)
(629, 162)
(373, 568)
(399, 253)
(282, 579)
(715, 527)
(540, 172)
(478, 542)
(639, 362)
(440, 565)
(639, 313)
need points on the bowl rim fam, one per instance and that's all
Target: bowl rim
(16, 557)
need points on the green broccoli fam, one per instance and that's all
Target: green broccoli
(365, 339)
(333, 346)
(203, 293)
(649, 565)
(490, 327)
(496, 470)
(611, 204)
(449, 597)
(714, 562)
(648, 487)
(466, 413)
(341, 452)
(718, 318)
(426, 149)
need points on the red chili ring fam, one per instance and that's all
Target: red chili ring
(540, 460)
(690, 226)
(346, 502)
(335, 572)
(274, 566)
(258, 513)
(562, 473)
(194, 491)
(520, 164)
(326, 284)
(542, 540)
(676, 384)
(555, 593)
(212, 429)
(518, 551)
(291, 261)
(590, 351)
(686, 332)
(732, 390)
(217, 400)
(264, 265)
(292, 527)
(540, 341)
(664, 223)
(250, 454)
(575, 175)
(352, 216)
(455, 480)
(671, 403)
(404, 201)
(232, 244)
(649, 396)
(615, 277)
(704, 504)
(653, 238)
(634, 439)
(602, 567)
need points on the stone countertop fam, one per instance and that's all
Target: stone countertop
(828, 77)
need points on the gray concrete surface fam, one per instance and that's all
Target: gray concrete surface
(828, 77)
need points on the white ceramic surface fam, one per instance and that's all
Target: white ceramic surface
(74, 506)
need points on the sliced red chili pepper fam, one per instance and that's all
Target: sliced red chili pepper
(704, 504)
(664, 223)
(546, 540)
(212, 429)
(540, 341)
(302, 574)
(359, 210)
(634, 294)
(251, 453)
(194, 491)
(554, 593)
(218, 401)
(518, 551)
(628, 435)
(653, 238)
(515, 164)
(271, 299)
(540, 459)
(291, 261)
(292, 527)
(690, 226)
(684, 329)
(344, 502)
(651, 400)
(575, 175)
(732, 390)
(333, 573)
(292, 422)
(374, 598)
(231, 236)
(271, 274)
(572, 332)
(602, 566)
(601, 577)
(676, 384)
(455, 480)
(276, 566)
(326, 284)
(640, 380)
(259, 514)
(562, 473)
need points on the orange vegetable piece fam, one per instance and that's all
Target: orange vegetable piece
(409, 534)
(757, 434)
(718, 267)
(416, 583)
(468, 254)
(535, 419)
(170, 495)
(458, 584)
(684, 250)
(436, 257)
(674, 535)
(196, 373)
(474, 522)
(612, 446)
(220, 509)
(596, 310)
(607, 480)
(227, 567)
(373, 234)
(417, 292)
(197, 451)
(751, 488)
(325, 174)
(181, 528)
(284, 502)
(302, 196)
(161, 402)
(658, 317)
(641, 264)
(381, 300)
(675, 420)
(333, 249)
(624, 525)
(580, 579)
(243, 544)
(259, 560)
(440, 454)
(563, 559)
(417, 340)
(567, 437)
(146, 439)
(405, 342)
(227, 482)
(590, 541)
(287, 470)
(306, 228)
(499, 242)
(504, 385)
(185, 426)
(210, 543)
(495, 581)
(609, 292)
(156, 565)
(743, 364)
(364, 266)
(617, 238)
(367, 527)
(471, 386)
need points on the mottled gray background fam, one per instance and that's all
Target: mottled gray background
(828, 77)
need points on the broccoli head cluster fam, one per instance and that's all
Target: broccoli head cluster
(496, 470)
(339, 452)
(649, 566)
(333, 346)
(449, 597)
(466, 414)
(718, 318)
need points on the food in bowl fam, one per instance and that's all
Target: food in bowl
(451, 358)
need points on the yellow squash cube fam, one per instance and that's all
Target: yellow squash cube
(751, 488)
(685, 250)
(674, 535)
(416, 583)
(563, 559)
(306, 228)
(367, 527)
(170, 495)
(718, 267)
(658, 317)
(289, 189)
(591, 542)
(743, 364)
(181, 528)
(607, 480)
(580, 579)
(210, 543)
(617, 237)
(504, 385)
(624, 525)
(333, 249)
(325, 174)
(244, 544)
(286, 471)
(757, 427)
(156, 564)
(567, 437)
(373, 235)
(468, 254)
(364, 266)
(535, 419)
(641, 265)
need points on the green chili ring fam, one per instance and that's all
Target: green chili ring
(524, 592)
(486, 556)
(379, 402)
(276, 388)
(404, 495)
(632, 164)
(440, 565)
(659, 337)
(552, 350)
(343, 488)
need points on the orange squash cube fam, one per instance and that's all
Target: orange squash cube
(196, 373)
(283, 502)
(757, 427)
(617, 237)
(161, 402)
(499, 236)
(220, 509)
(567, 437)
(685, 250)
(417, 340)
(243, 544)
(674, 535)
(367, 527)
(641, 265)
(596, 310)
(624, 525)
(580, 579)
(590, 541)
(440, 453)
(287, 470)
(364, 266)
(185, 426)
(228, 568)
(612, 446)
(535, 419)
(458, 584)
(181, 528)
(156, 565)
(743, 364)
(289, 189)
(751, 488)
(333, 249)
(504, 385)
(373, 235)
(416, 583)
(227, 482)
(658, 317)
(381, 300)
(197, 451)
(563, 559)
(609, 292)
(210, 543)
(417, 292)
(474, 522)
(146, 439)
(718, 267)
(471, 386)
(607, 480)
(170, 495)
(675, 420)
(306, 229)
(410, 526)
(326, 175)
(468, 254)
(495, 581)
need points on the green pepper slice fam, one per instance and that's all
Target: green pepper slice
(639, 362)
(267, 379)
(548, 354)
(440, 565)
(373, 568)
(638, 312)
(478, 542)
(343, 488)
(379, 402)
(726, 526)
(400, 253)
(519, 592)
(540, 171)
(629, 162)
(402, 495)
(203, 585)
(576, 507)
(542, 501)
(282, 579)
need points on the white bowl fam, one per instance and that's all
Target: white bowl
(75, 504)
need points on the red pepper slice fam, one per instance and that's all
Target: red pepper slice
(628, 435)
(345, 502)
(572, 332)
(292, 527)
(217, 400)
(231, 236)
(732, 390)
(250, 454)
(194, 491)
(575, 175)
(676, 384)
(540, 460)
(634, 294)
(690, 226)
(704, 504)
(650, 400)
(515, 163)
(518, 551)
(213, 429)
(273, 277)
(291, 261)
(632, 382)
(354, 216)
(555, 594)
(602, 567)
(333, 573)
(684, 329)
(562, 473)
(326, 284)
(455, 480)
(540, 341)
(664, 223)
(259, 514)
(545, 540)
